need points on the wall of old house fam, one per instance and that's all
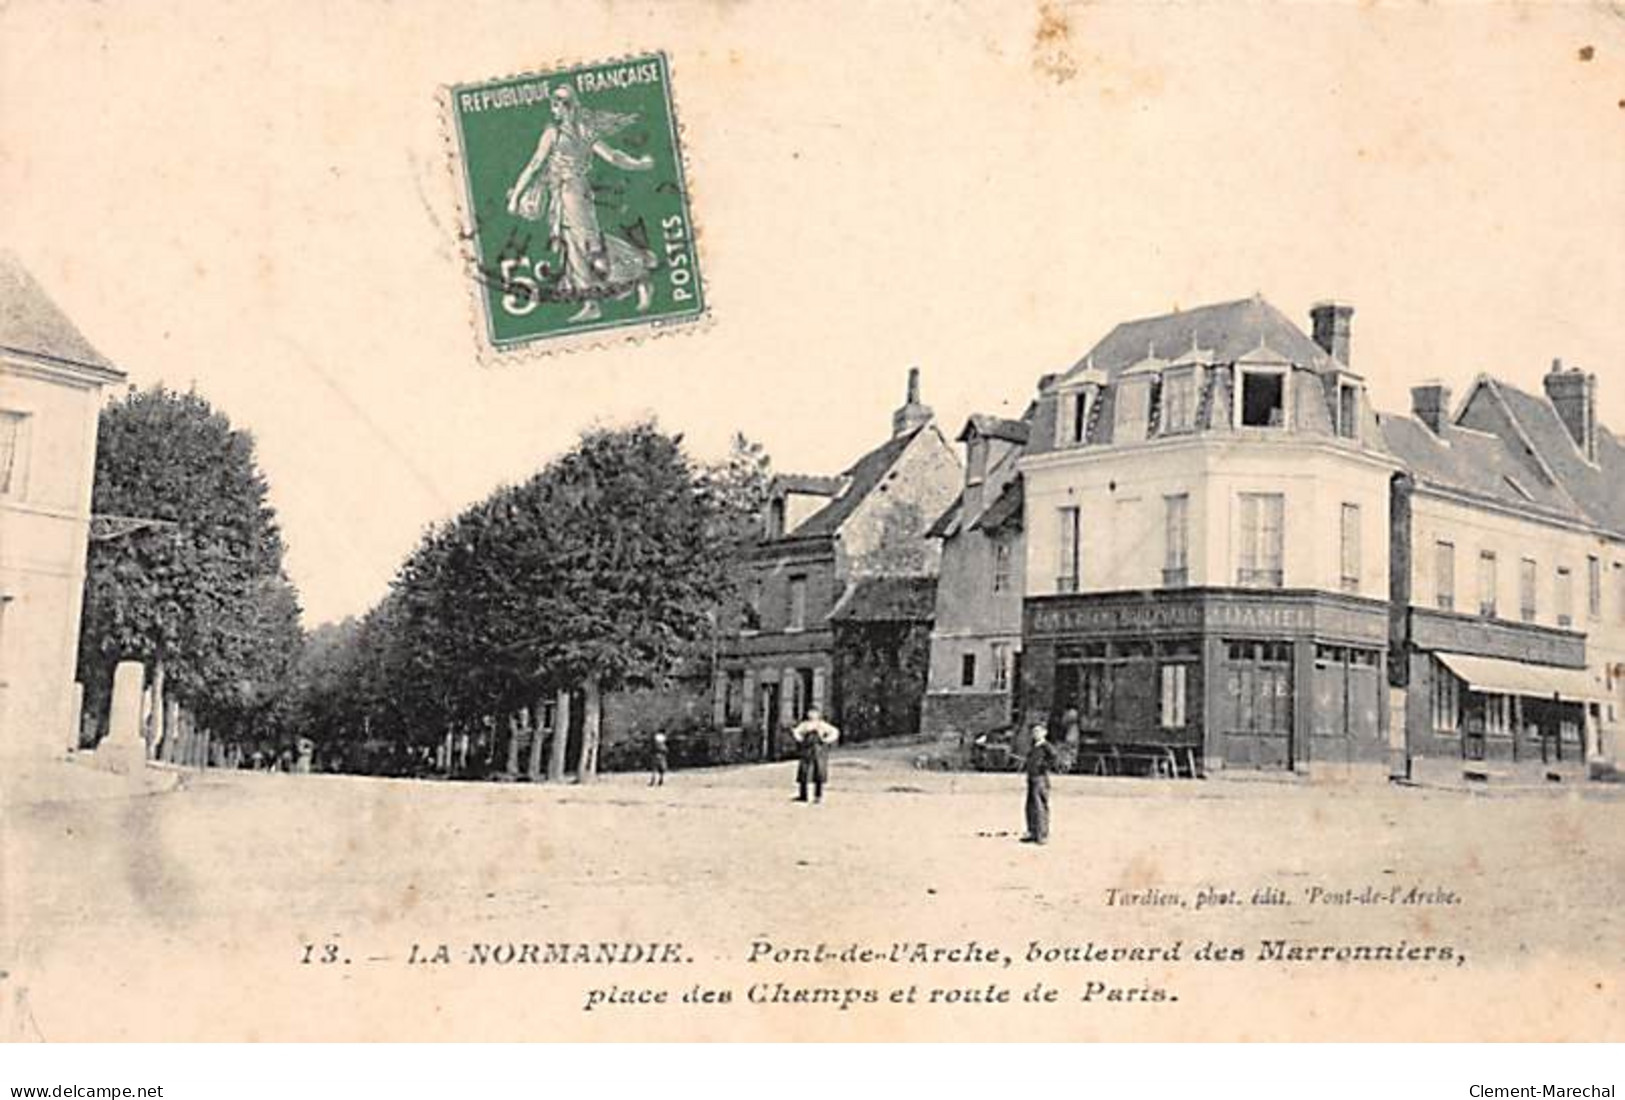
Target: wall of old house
(1472, 528)
(1120, 494)
(885, 534)
(44, 527)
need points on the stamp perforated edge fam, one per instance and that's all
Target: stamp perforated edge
(487, 351)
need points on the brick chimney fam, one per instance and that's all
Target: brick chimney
(1574, 395)
(1430, 403)
(911, 414)
(1331, 321)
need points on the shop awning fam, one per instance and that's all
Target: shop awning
(1498, 677)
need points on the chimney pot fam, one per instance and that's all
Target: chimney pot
(1573, 393)
(911, 414)
(1430, 403)
(1331, 322)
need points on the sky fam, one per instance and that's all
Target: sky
(259, 201)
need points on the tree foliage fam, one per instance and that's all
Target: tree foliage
(205, 596)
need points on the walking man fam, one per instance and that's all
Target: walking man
(1040, 762)
(813, 737)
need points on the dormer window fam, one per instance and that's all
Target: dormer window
(1261, 397)
(1072, 416)
(1178, 400)
(1348, 409)
(1133, 408)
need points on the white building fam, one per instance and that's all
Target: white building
(51, 383)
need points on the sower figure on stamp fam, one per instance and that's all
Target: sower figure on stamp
(557, 183)
(813, 737)
(1040, 762)
(657, 761)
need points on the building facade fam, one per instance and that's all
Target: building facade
(1511, 527)
(976, 638)
(820, 581)
(51, 383)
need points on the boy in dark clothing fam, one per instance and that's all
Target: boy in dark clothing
(1040, 762)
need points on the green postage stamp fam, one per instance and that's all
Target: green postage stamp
(575, 206)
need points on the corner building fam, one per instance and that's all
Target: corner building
(1206, 547)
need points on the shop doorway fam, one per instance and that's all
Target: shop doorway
(1256, 706)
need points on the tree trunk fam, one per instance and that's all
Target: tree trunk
(155, 715)
(534, 764)
(169, 730)
(561, 738)
(512, 767)
(591, 716)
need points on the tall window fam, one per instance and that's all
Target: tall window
(1066, 578)
(1080, 415)
(1564, 597)
(1172, 711)
(1179, 400)
(1527, 604)
(1350, 532)
(798, 604)
(1001, 666)
(1176, 540)
(1446, 699)
(1444, 575)
(967, 670)
(1001, 565)
(13, 428)
(1593, 586)
(1262, 528)
(1071, 417)
(1486, 583)
(1348, 410)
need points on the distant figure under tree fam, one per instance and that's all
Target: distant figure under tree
(658, 759)
(813, 737)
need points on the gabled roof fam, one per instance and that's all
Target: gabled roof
(1005, 509)
(1230, 329)
(862, 477)
(809, 484)
(1597, 490)
(1472, 462)
(994, 427)
(887, 600)
(32, 324)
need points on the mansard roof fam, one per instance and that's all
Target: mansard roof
(1229, 330)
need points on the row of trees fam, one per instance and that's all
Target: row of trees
(608, 568)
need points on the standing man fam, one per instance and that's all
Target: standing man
(813, 737)
(658, 757)
(1040, 762)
